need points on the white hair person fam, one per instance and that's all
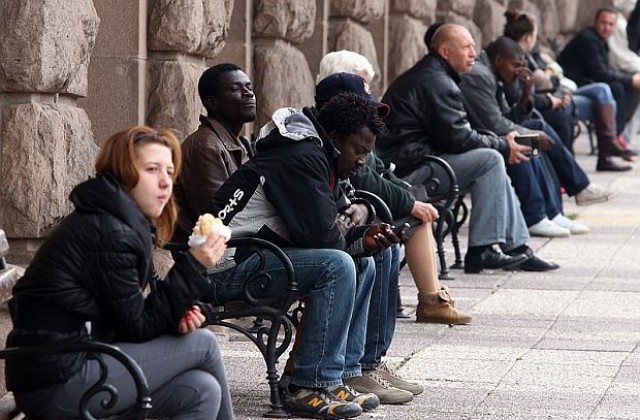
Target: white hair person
(345, 61)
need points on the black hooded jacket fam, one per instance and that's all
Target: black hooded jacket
(93, 268)
(288, 192)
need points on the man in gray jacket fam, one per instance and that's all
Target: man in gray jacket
(483, 86)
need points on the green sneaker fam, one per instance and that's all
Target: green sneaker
(368, 402)
(318, 404)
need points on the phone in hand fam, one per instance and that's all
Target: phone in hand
(531, 140)
(398, 230)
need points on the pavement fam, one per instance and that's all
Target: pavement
(559, 345)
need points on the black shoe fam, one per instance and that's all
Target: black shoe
(532, 263)
(490, 258)
(536, 264)
(609, 165)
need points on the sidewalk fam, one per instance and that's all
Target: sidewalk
(561, 345)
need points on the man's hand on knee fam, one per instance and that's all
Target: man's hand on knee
(424, 212)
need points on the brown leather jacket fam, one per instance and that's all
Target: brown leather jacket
(209, 156)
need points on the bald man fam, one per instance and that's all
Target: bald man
(428, 118)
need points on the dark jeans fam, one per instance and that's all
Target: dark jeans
(562, 123)
(569, 173)
(537, 189)
(381, 323)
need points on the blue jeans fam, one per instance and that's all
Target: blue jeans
(327, 280)
(587, 97)
(495, 215)
(536, 188)
(358, 328)
(569, 173)
(384, 304)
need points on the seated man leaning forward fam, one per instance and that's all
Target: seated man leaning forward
(428, 117)
(289, 194)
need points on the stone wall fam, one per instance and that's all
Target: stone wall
(46, 141)
(73, 72)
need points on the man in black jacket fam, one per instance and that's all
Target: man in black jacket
(428, 117)
(585, 59)
(288, 193)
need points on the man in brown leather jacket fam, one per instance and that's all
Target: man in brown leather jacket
(214, 151)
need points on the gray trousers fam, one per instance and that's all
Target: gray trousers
(495, 213)
(185, 375)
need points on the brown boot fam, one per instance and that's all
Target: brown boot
(437, 308)
(608, 146)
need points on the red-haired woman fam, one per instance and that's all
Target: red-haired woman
(86, 282)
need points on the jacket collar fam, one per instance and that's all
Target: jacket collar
(230, 142)
(441, 62)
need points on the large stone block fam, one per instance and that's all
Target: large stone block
(349, 35)
(406, 44)
(293, 20)
(360, 10)
(546, 14)
(574, 14)
(173, 96)
(464, 8)
(190, 26)
(46, 45)
(489, 17)
(282, 78)
(422, 9)
(46, 150)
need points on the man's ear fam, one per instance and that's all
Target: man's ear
(443, 51)
(210, 103)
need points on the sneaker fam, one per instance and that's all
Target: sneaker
(548, 229)
(343, 392)
(593, 194)
(574, 227)
(318, 404)
(391, 376)
(372, 382)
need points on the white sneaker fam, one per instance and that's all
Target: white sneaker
(548, 229)
(574, 227)
(593, 194)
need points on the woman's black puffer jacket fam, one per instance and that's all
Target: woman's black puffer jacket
(93, 268)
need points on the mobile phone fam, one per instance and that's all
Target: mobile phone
(399, 229)
(530, 139)
(527, 139)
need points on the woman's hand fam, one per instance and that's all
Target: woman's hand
(191, 321)
(210, 251)
(424, 212)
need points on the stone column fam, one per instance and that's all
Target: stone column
(462, 13)
(349, 30)
(46, 146)
(182, 34)
(281, 72)
(408, 22)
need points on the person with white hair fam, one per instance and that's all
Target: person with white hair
(348, 62)
(343, 72)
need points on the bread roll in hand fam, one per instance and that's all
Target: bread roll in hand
(205, 226)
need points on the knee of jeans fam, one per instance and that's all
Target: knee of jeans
(337, 265)
(492, 157)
